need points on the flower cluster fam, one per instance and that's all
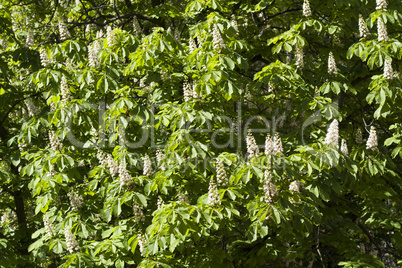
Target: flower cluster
(363, 30)
(136, 26)
(138, 214)
(30, 41)
(125, 178)
(221, 176)
(269, 188)
(372, 141)
(55, 144)
(49, 228)
(182, 198)
(217, 39)
(88, 29)
(160, 202)
(93, 51)
(382, 30)
(110, 36)
(22, 146)
(64, 33)
(159, 158)
(65, 91)
(147, 166)
(192, 44)
(359, 136)
(299, 57)
(102, 158)
(381, 4)
(177, 34)
(273, 146)
(388, 72)
(213, 194)
(331, 64)
(306, 8)
(111, 163)
(5, 218)
(200, 42)
(32, 109)
(187, 93)
(344, 148)
(294, 186)
(72, 244)
(141, 242)
(252, 148)
(332, 134)
(44, 59)
(76, 201)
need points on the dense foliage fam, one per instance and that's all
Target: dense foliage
(200, 133)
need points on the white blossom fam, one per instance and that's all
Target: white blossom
(273, 146)
(200, 42)
(72, 244)
(332, 134)
(138, 213)
(213, 194)
(64, 33)
(221, 176)
(99, 34)
(270, 87)
(217, 39)
(76, 201)
(44, 59)
(363, 30)
(252, 148)
(359, 136)
(344, 148)
(372, 141)
(160, 202)
(159, 158)
(192, 44)
(111, 37)
(102, 157)
(125, 178)
(55, 144)
(22, 146)
(65, 91)
(299, 57)
(196, 95)
(141, 243)
(113, 167)
(93, 51)
(269, 188)
(306, 8)
(147, 166)
(331, 64)
(49, 228)
(388, 72)
(136, 26)
(278, 149)
(30, 41)
(381, 4)
(176, 35)
(382, 30)
(294, 186)
(182, 198)
(32, 109)
(317, 92)
(187, 92)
